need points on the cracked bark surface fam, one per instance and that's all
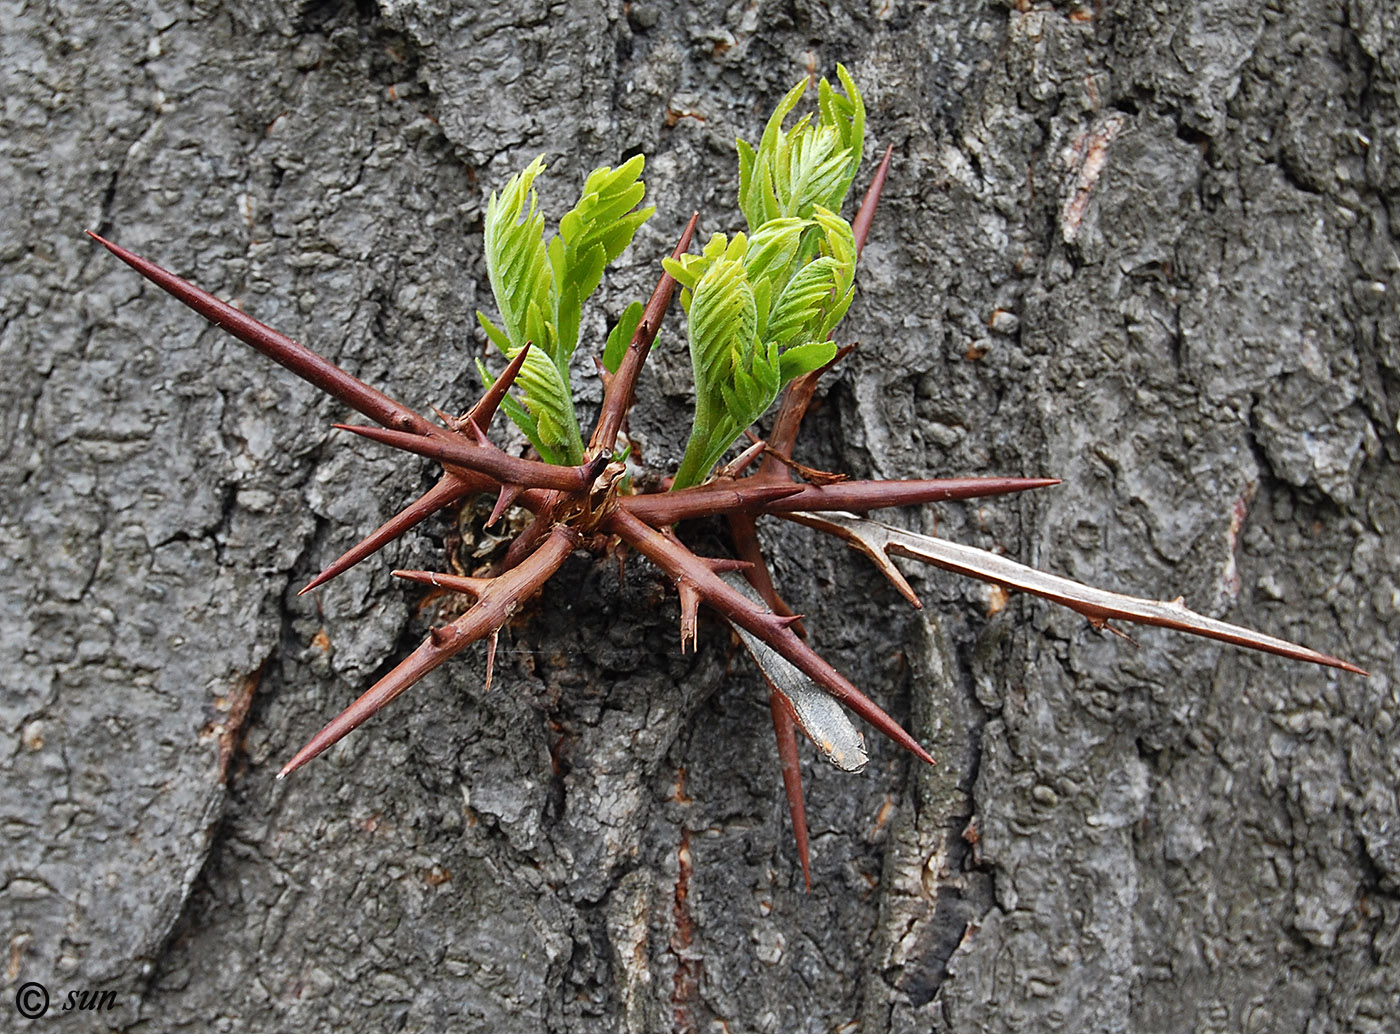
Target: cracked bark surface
(1147, 250)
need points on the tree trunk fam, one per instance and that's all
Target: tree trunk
(1143, 247)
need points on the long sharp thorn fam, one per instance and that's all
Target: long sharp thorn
(749, 495)
(865, 215)
(485, 408)
(1098, 605)
(447, 491)
(680, 563)
(797, 396)
(786, 730)
(295, 356)
(508, 494)
(491, 657)
(617, 399)
(453, 582)
(408, 671)
(491, 461)
(860, 496)
(485, 616)
(741, 462)
(744, 532)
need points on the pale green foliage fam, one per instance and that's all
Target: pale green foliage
(540, 290)
(813, 163)
(761, 309)
(757, 319)
(621, 335)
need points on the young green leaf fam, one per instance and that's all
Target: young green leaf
(736, 375)
(516, 261)
(523, 281)
(621, 336)
(800, 359)
(540, 289)
(819, 294)
(592, 234)
(814, 163)
(758, 317)
(772, 250)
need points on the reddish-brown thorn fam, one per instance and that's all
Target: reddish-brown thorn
(797, 396)
(487, 459)
(865, 215)
(278, 347)
(860, 496)
(678, 562)
(757, 495)
(485, 408)
(617, 399)
(497, 601)
(448, 420)
(786, 730)
(713, 498)
(473, 587)
(478, 435)
(509, 493)
(744, 533)
(449, 489)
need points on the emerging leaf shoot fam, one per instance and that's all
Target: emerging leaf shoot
(762, 309)
(814, 163)
(540, 290)
(756, 321)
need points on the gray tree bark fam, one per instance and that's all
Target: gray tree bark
(1145, 247)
